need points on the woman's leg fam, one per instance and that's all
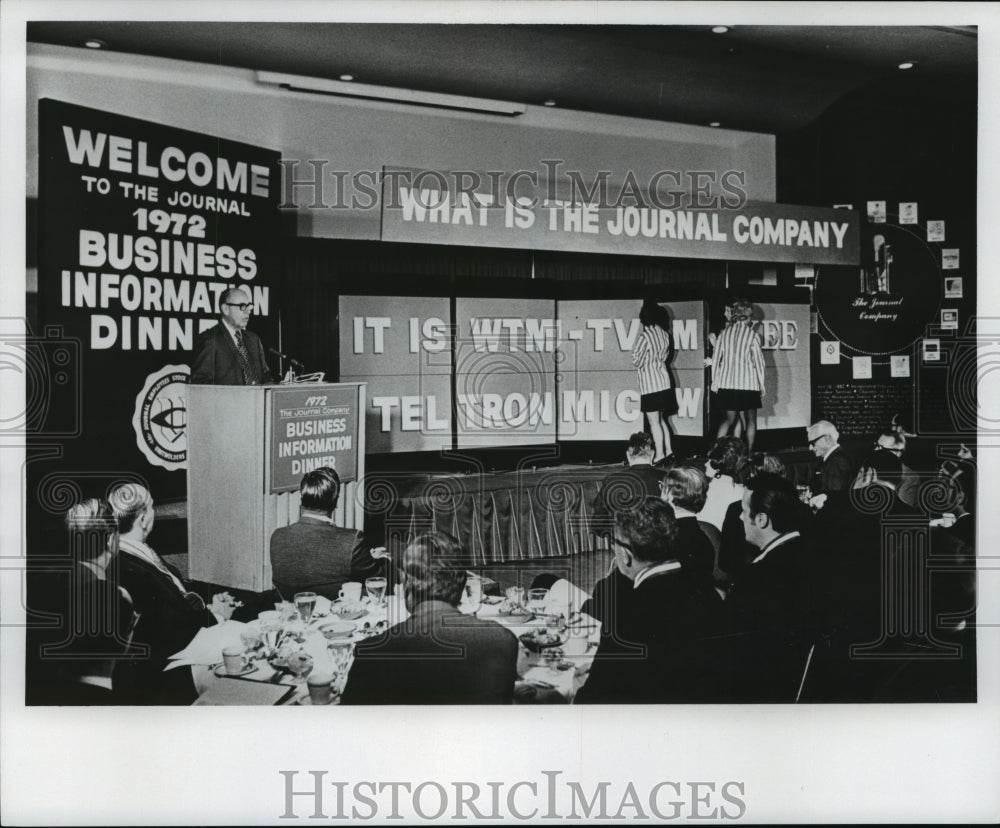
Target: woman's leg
(751, 417)
(668, 448)
(656, 429)
(727, 424)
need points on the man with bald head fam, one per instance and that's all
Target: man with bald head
(229, 354)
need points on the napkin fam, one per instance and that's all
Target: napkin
(207, 645)
(235, 691)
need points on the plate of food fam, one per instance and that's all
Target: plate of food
(333, 630)
(540, 640)
(369, 629)
(348, 612)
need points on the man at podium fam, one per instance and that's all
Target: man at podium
(229, 354)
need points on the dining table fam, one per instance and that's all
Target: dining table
(548, 673)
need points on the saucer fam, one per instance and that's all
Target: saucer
(221, 672)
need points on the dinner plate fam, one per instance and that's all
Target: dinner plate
(332, 630)
(221, 672)
(531, 642)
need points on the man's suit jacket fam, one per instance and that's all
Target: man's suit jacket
(217, 362)
(769, 627)
(318, 556)
(623, 489)
(436, 656)
(167, 623)
(835, 474)
(694, 550)
(652, 646)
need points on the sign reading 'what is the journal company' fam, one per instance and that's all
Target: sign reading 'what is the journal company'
(428, 207)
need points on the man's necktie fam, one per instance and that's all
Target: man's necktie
(250, 376)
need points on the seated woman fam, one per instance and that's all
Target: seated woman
(724, 460)
(97, 612)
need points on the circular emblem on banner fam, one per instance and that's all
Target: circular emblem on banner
(887, 303)
(160, 417)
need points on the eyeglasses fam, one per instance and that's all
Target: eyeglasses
(245, 306)
(815, 440)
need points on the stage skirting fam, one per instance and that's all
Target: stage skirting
(505, 517)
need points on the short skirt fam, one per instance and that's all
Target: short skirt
(663, 401)
(730, 399)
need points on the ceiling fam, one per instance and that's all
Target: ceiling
(774, 79)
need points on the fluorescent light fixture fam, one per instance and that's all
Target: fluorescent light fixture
(550, 102)
(715, 123)
(907, 64)
(94, 43)
(720, 29)
(347, 77)
(321, 86)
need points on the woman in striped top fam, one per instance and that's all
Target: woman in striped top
(738, 371)
(651, 352)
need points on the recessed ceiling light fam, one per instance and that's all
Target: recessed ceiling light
(550, 102)
(715, 123)
(347, 77)
(907, 64)
(94, 43)
(720, 29)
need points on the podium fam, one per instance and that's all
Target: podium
(248, 447)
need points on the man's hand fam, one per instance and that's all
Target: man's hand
(379, 552)
(223, 604)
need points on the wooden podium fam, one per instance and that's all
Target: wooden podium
(248, 447)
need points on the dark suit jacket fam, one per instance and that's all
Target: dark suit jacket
(96, 622)
(768, 620)
(317, 556)
(734, 551)
(167, 623)
(217, 362)
(624, 489)
(694, 550)
(835, 474)
(436, 656)
(651, 648)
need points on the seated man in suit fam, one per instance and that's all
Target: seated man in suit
(652, 631)
(836, 472)
(437, 655)
(624, 488)
(769, 605)
(314, 554)
(170, 614)
(229, 354)
(685, 488)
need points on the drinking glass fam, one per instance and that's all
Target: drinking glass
(341, 656)
(474, 591)
(537, 599)
(515, 596)
(376, 590)
(305, 603)
(270, 632)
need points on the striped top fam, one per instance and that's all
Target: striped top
(649, 355)
(738, 361)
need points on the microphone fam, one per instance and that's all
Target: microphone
(291, 360)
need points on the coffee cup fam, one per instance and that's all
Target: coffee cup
(320, 691)
(351, 592)
(235, 659)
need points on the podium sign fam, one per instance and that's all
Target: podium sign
(312, 426)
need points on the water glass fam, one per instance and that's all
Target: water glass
(537, 599)
(375, 587)
(305, 603)
(474, 591)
